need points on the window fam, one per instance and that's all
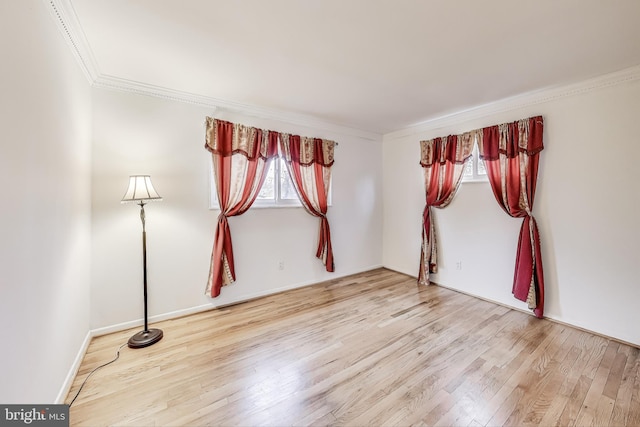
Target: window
(277, 189)
(474, 170)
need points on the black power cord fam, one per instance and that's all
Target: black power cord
(95, 369)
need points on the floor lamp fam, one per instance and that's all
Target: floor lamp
(141, 191)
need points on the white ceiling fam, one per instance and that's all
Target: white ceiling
(369, 64)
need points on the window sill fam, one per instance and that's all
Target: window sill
(270, 206)
(475, 181)
(217, 208)
(256, 206)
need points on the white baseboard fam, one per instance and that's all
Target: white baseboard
(252, 296)
(66, 386)
(68, 382)
(200, 308)
(551, 318)
(73, 371)
(399, 270)
(152, 319)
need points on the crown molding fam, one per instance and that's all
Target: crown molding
(67, 22)
(520, 101)
(126, 85)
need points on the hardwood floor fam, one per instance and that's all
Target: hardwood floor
(370, 349)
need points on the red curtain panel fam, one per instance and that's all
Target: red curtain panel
(309, 162)
(241, 156)
(510, 152)
(443, 161)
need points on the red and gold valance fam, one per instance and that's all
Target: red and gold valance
(226, 138)
(453, 148)
(306, 151)
(522, 136)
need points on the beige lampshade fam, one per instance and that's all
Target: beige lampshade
(140, 189)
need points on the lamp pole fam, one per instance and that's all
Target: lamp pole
(144, 264)
(140, 191)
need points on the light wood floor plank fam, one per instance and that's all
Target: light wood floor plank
(621, 408)
(369, 349)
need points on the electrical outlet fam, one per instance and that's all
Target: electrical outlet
(281, 265)
(458, 265)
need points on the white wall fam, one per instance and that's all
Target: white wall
(140, 134)
(586, 206)
(70, 255)
(45, 120)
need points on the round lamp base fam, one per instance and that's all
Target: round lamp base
(145, 338)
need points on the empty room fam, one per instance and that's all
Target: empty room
(345, 213)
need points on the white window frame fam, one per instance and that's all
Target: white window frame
(475, 159)
(276, 202)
